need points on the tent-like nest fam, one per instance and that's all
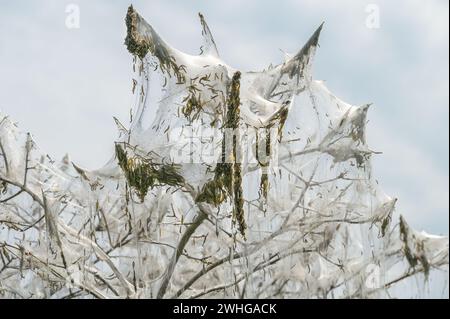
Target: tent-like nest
(224, 184)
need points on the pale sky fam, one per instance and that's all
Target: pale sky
(65, 85)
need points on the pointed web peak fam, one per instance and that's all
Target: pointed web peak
(316, 35)
(209, 45)
(141, 38)
(365, 107)
(132, 41)
(66, 159)
(311, 43)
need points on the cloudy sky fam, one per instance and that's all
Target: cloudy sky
(64, 85)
